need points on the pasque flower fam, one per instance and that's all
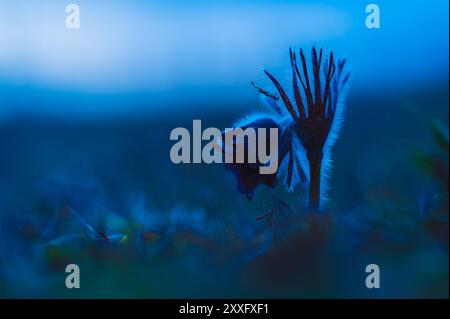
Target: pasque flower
(309, 122)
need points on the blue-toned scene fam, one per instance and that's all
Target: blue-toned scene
(93, 204)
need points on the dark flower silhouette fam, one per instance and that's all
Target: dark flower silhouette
(247, 174)
(313, 119)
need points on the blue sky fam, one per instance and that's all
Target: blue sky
(181, 49)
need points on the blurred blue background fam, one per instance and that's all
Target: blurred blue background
(140, 56)
(85, 118)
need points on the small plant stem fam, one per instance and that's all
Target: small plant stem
(315, 165)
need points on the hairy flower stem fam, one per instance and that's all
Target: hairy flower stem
(315, 166)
